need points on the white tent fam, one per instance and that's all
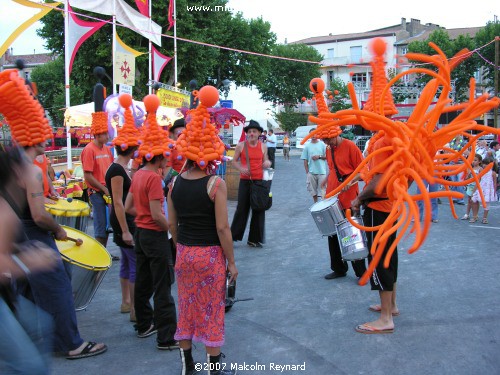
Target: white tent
(81, 115)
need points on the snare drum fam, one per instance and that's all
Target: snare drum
(352, 240)
(89, 264)
(74, 214)
(326, 214)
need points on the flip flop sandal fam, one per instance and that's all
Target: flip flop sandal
(87, 351)
(369, 330)
(485, 221)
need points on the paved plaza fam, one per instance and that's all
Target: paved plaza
(448, 295)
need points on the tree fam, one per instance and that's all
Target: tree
(49, 79)
(289, 119)
(340, 95)
(287, 81)
(483, 38)
(462, 73)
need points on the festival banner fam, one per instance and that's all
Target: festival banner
(143, 6)
(171, 9)
(159, 62)
(172, 99)
(125, 14)
(39, 11)
(124, 69)
(79, 31)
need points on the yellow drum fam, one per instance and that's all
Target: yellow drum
(70, 212)
(89, 264)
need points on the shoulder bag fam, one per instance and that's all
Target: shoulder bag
(260, 190)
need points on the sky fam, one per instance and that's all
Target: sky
(296, 20)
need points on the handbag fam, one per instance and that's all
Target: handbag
(261, 198)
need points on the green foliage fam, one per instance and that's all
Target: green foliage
(289, 119)
(483, 37)
(341, 99)
(463, 72)
(285, 82)
(49, 79)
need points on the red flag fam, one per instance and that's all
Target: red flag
(143, 6)
(171, 19)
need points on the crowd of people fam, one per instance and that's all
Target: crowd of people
(169, 218)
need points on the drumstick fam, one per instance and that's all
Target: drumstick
(54, 198)
(77, 241)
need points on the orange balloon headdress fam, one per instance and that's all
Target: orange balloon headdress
(99, 123)
(325, 128)
(379, 101)
(23, 113)
(200, 141)
(154, 141)
(129, 135)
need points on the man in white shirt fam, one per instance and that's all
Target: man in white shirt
(271, 146)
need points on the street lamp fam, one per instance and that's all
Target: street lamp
(226, 87)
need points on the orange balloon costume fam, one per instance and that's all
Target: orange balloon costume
(414, 145)
(200, 141)
(23, 113)
(128, 135)
(154, 141)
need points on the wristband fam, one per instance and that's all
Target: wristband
(21, 265)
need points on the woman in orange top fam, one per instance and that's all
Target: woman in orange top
(249, 171)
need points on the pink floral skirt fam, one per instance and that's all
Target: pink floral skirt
(201, 285)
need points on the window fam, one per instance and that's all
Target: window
(356, 53)
(330, 76)
(359, 80)
(330, 53)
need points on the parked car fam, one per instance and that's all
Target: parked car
(300, 133)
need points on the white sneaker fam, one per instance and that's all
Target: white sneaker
(465, 217)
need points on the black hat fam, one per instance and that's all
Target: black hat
(179, 123)
(253, 125)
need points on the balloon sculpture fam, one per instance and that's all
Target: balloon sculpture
(200, 141)
(414, 145)
(23, 113)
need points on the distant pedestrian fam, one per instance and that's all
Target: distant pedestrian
(314, 156)
(271, 146)
(471, 188)
(488, 186)
(286, 147)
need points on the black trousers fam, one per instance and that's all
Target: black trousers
(271, 151)
(154, 277)
(257, 222)
(337, 264)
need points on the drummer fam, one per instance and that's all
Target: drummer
(96, 158)
(43, 162)
(343, 157)
(50, 290)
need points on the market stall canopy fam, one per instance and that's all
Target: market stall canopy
(81, 115)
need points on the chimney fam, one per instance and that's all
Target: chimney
(403, 23)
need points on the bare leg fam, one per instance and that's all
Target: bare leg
(384, 322)
(475, 209)
(125, 287)
(315, 198)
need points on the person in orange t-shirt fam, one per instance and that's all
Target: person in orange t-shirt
(96, 158)
(342, 156)
(377, 209)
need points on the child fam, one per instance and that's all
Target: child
(472, 186)
(488, 187)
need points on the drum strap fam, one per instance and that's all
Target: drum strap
(340, 178)
(248, 160)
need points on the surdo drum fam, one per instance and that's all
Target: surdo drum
(74, 213)
(352, 241)
(89, 263)
(327, 214)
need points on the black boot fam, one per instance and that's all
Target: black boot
(218, 368)
(188, 365)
